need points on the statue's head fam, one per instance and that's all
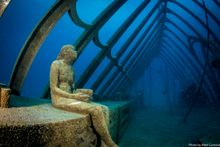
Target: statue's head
(68, 54)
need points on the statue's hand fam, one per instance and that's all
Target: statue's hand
(82, 97)
(90, 92)
(85, 91)
(85, 97)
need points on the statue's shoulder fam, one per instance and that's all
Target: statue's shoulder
(55, 63)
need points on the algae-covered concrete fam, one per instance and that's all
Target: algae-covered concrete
(26, 124)
(44, 125)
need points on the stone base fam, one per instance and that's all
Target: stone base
(44, 125)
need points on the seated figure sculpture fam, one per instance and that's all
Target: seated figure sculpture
(65, 96)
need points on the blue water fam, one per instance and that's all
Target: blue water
(163, 77)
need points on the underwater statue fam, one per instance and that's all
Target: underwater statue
(3, 6)
(65, 96)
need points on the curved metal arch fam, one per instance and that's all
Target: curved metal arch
(185, 34)
(126, 45)
(174, 72)
(200, 63)
(190, 66)
(75, 17)
(98, 23)
(114, 86)
(184, 22)
(31, 47)
(34, 41)
(175, 60)
(146, 40)
(189, 38)
(139, 42)
(209, 12)
(125, 60)
(193, 29)
(128, 56)
(92, 31)
(209, 92)
(147, 51)
(206, 84)
(141, 65)
(104, 88)
(111, 42)
(127, 23)
(209, 77)
(98, 43)
(116, 79)
(120, 80)
(112, 79)
(174, 65)
(194, 39)
(145, 48)
(196, 17)
(183, 43)
(181, 75)
(138, 29)
(207, 87)
(180, 52)
(195, 70)
(143, 56)
(217, 3)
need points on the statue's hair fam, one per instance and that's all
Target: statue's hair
(66, 49)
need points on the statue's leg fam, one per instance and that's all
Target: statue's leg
(100, 126)
(97, 114)
(105, 111)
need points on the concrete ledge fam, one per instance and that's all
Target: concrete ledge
(44, 125)
(33, 122)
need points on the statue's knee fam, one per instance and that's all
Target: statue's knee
(97, 110)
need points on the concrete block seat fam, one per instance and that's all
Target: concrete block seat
(40, 124)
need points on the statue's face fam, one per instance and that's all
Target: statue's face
(70, 55)
(73, 55)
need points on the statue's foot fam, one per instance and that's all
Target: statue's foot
(109, 144)
(113, 145)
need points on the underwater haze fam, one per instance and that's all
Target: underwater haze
(163, 56)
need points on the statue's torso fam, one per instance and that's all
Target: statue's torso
(66, 77)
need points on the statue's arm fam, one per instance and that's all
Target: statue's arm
(54, 74)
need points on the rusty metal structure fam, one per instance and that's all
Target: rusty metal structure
(162, 36)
